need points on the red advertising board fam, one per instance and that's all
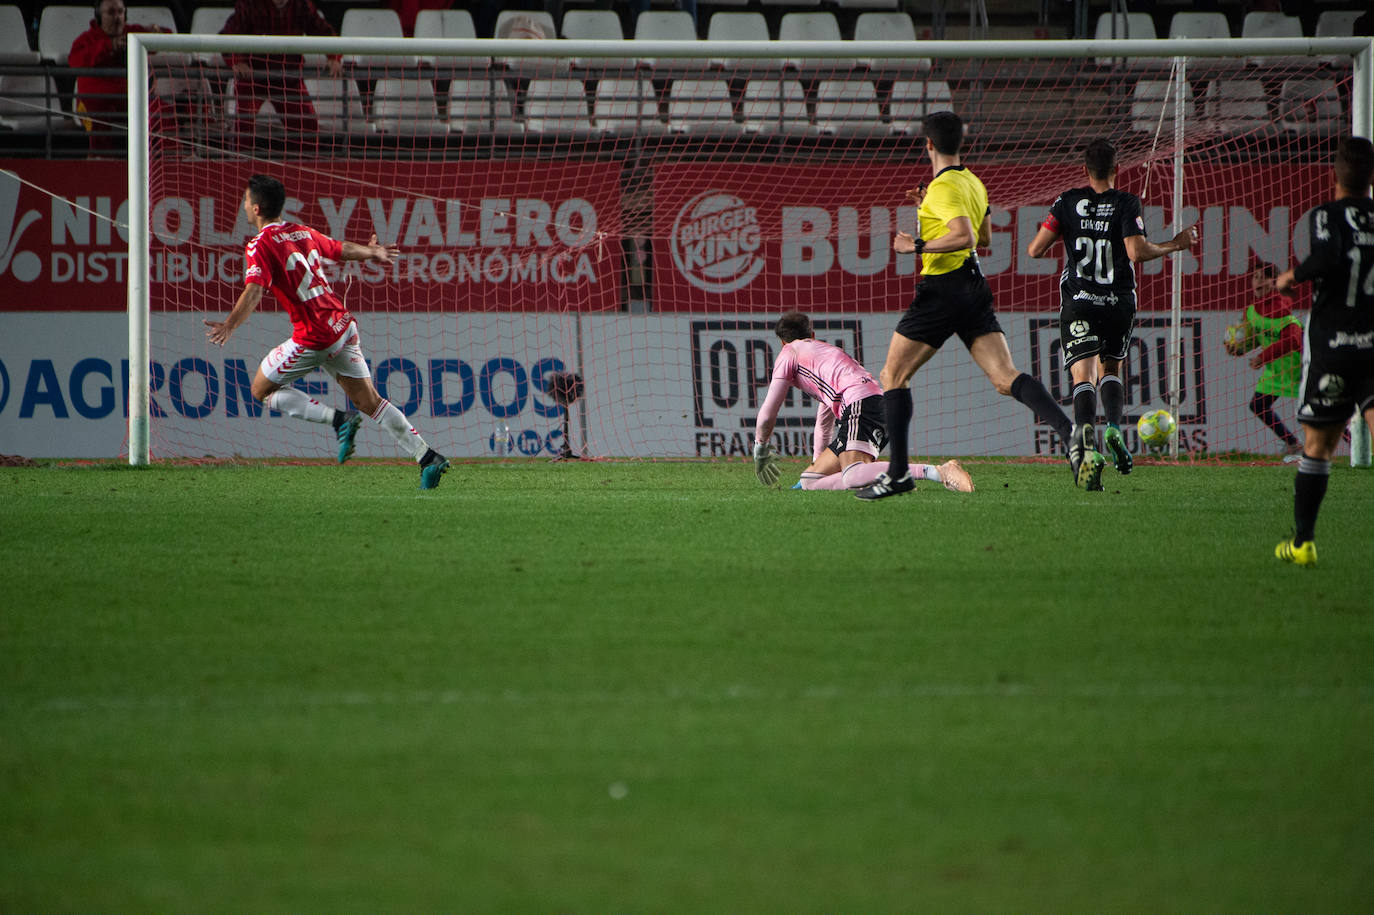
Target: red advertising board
(774, 237)
(475, 236)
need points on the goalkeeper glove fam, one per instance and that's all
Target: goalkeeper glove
(766, 464)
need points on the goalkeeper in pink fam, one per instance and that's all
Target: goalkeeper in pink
(849, 432)
(287, 258)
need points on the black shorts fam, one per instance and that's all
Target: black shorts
(958, 302)
(1336, 380)
(1095, 325)
(861, 427)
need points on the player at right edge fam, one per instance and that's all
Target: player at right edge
(1104, 236)
(1338, 352)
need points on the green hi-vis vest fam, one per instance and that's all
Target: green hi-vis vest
(1282, 376)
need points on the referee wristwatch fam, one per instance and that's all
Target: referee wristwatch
(920, 244)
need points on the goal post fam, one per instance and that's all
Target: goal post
(687, 237)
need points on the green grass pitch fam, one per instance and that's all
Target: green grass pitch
(628, 687)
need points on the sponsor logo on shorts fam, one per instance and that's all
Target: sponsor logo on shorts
(1333, 386)
(717, 242)
(1078, 328)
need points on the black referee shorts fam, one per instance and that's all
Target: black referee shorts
(958, 302)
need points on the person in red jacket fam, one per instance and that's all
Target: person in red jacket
(104, 98)
(275, 78)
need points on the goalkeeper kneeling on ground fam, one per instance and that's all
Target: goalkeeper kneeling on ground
(849, 432)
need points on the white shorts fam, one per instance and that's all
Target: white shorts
(343, 357)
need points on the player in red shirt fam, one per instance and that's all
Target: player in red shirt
(286, 258)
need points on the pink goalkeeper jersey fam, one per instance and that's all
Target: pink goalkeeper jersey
(287, 258)
(826, 372)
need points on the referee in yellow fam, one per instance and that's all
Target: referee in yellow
(952, 298)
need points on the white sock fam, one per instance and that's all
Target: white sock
(394, 422)
(296, 404)
(925, 472)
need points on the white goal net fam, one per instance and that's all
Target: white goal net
(644, 221)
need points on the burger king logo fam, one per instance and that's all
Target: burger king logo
(716, 241)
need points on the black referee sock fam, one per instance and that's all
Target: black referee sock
(1309, 488)
(1033, 394)
(897, 412)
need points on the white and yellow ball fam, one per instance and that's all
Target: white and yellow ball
(1156, 428)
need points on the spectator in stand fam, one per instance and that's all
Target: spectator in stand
(104, 98)
(275, 78)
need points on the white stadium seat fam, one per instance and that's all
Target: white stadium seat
(911, 100)
(1310, 107)
(14, 40)
(1199, 25)
(668, 25)
(406, 107)
(626, 105)
(1236, 105)
(774, 105)
(159, 16)
(594, 25)
(29, 103)
(478, 105)
(374, 23)
(58, 27)
(556, 106)
(1152, 106)
(734, 26)
(888, 27)
(338, 107)
(797, 27)
(848, 107)
(700, 105)
(447, 24)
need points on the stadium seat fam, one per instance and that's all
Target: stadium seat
(1272, 25)
(446, 24)
(265, 117)
(1152, 106)
(480, 105)
(1310, 107)
(374, 23)
(734, 26)
(848, 107)
(1236, 105)
(596, 25)
(208, 20)
(774, 105)
(530, 24)
(1130, 25)
(29, 103)
(700, 106)
(796, 27)
(1337, 23)
(14, 40)
(338, 107)
(406, 107)
(159, 16)
(58, 27)
(888, 27)
(911, 100)
(1199, 25)
(668, 25)
(626, 106)
(556, 106)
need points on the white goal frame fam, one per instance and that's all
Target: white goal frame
(1360, 50)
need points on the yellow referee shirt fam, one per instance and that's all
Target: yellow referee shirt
(954, 192)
